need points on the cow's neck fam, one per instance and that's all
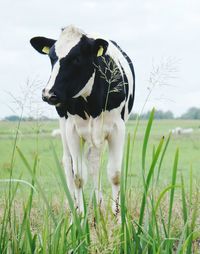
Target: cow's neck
(95, 97)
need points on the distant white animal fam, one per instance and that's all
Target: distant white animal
(176, 130)
(187, 131)
(55, 133)
(179, 131)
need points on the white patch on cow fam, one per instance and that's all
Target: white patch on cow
(69, 37)
(52, 79)
(87, 89)
(95, 130)
(66, 159)
(77, 161)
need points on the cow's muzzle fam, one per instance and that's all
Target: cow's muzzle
(50, 98)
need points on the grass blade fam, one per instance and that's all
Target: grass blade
(146, 138)
(147, 183)
(24, 160)
(173, 183)
(162, 156)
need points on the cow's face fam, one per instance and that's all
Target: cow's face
(72, 58)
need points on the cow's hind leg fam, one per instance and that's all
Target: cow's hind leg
(116, 144)
(94, 156)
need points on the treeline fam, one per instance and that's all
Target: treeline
(159, 114)
(15, 118)
(192, 113)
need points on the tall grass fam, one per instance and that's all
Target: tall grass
(149, 228)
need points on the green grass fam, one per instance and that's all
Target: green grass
(159, 193)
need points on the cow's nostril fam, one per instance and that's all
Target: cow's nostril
(44, 95)
(44, 98)
(50, 97)
(53, 99)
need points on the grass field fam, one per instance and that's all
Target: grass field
(35, 138)
(175, 228)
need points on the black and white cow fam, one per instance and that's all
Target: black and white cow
(92, 86)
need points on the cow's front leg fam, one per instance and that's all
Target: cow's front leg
(75, 145)
(67, 160)
(116, 145)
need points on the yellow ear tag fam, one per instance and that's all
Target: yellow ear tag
(45, 50)
(100, 51)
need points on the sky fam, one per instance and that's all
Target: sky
(161, 37)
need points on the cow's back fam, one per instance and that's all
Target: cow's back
(127, 71)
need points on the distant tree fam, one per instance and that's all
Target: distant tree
(27, 118)
(44, 118)
(168, 115)
(164, 114)
(159, 114)
(12, 118)
(192, 113)
(133, 116)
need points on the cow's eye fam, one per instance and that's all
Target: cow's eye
(76, 60)
(53, 58)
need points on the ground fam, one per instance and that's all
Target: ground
(34, 139)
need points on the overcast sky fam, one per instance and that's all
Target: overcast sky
(154, 33)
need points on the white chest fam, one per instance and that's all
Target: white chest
(96, 130)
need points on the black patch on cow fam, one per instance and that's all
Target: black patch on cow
(130, 103)
(62, 111)
(108, 89)
(122, 112)
(125, 82)
(107, 92)
(78, 106)
(76, 68)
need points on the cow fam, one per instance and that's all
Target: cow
(92, 87)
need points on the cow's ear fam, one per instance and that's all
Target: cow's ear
(100, 47)
(42, 44)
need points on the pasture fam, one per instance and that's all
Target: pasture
(160, 192)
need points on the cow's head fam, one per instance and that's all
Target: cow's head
(72, 57)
